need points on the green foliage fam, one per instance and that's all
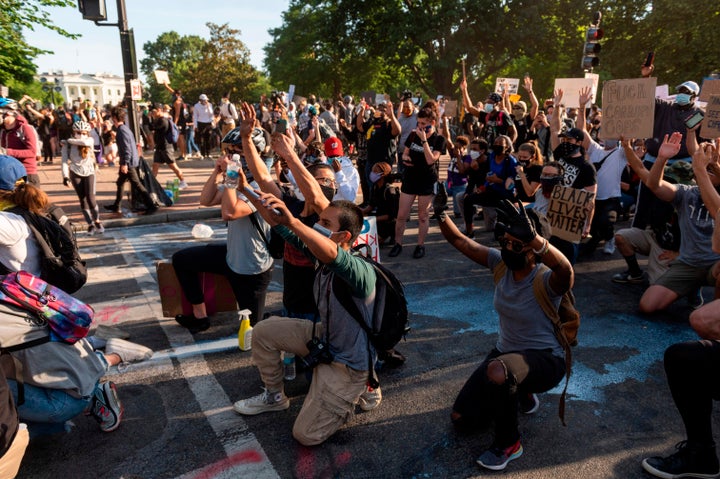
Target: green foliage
(175, 54)
(16, 54)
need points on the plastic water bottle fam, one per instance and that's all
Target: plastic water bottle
(245, 331)
(289, 366)
(201, 231)
(232, 174)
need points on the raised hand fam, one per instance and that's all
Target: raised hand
(514, 221)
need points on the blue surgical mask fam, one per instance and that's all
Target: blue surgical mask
(682, 99)
(322, 230)
(375, 176)
(489, 107)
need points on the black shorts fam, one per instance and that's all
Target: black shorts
(163, 156)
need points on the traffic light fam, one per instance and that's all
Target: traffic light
(593, 35)
(93, 9)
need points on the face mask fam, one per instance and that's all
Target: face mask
(548, 184)
(374, 177)
(474, 155)
(322, 230)
(514, 261)
(328, 192)
(566, 150)
(489, 107)
(682, 99)
(498, 149)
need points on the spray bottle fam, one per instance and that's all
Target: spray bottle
(245, 331)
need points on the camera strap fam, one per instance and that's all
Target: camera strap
(323, 270)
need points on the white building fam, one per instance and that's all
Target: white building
(100, 88)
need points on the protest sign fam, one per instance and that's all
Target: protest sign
(662, 91)
(368, 235)
(511, 83)
(571, 90)
(709, 88)
(135, 90)
(297, 99)
(290, 95)
(451, 108)
(368, 96)
(161, 77)
(711, 123)
(628, 108)
(567, 212)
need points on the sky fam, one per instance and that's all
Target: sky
(98, 50)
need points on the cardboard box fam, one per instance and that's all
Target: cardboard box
(218, 293)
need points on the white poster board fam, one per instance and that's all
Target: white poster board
(571, 90)
(662, 91)
(368, 235)
(512, 85)
(161, 77)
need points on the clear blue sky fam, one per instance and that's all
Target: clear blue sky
(98, 50)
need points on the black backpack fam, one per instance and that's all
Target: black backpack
(60, 262)
(390, 321)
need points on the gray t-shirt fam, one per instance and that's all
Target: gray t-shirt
(696, 228)
(523, 323)
(407, 125)
(247, 252)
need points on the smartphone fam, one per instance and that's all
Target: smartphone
(649, 59)
(694, 119)
(281, 126)
(251, 193)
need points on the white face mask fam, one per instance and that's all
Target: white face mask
(489, 107)
(474, 155)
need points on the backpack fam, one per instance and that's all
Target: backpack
(390, 321)
(565, 319)
(68, 318)
(60, 262)
(172, 134)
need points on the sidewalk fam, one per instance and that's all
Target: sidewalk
(187, 206)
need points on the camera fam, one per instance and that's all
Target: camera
(319, 353)
(406, 95)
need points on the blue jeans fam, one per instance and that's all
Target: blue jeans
(453, 193)
(190, 141)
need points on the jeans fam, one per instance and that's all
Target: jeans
(190, 140)
(456, 193)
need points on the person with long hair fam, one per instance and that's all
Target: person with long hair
(529, 168)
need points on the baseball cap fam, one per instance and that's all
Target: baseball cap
(11, 170)
(333, 147)
(203, 97)
(494, 97)
(690, 85)
(574, 133)
(680, 173)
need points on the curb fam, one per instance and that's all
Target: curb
(164, 217)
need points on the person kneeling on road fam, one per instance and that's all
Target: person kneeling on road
(336, 344)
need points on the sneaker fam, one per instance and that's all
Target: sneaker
(128, 352)
(112, 208)
(695, 299)
(626, 277)
(107, 332)
(265, 402)
(182, 185)
(529, 403)
(370, 399)
(496, 458)
(419, 252)
(396, 250)
(91, 230)
(106, 408)
(193, 324)
(609, 247)
(151, 210)
(391, 358)
(686, 462)
(99, 229)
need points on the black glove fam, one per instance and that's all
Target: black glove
(514, 221)
(440, 202)
(66, 181)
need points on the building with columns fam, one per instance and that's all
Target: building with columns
(100, 88)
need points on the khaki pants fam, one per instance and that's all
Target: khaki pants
(226, 127)
(10, 461)
(335, 387)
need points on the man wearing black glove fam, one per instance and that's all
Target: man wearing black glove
(528, 357)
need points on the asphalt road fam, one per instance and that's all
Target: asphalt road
(179, 422)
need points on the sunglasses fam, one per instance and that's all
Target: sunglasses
(515, 246)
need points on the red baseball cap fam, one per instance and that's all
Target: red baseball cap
(333, 147)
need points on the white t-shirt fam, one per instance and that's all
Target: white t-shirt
(18, 249)
(608, 177)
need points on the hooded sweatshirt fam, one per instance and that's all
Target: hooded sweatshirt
(21, 142)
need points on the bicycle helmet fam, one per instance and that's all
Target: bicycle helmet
(8, 103)
(81, 125)
(258, 138)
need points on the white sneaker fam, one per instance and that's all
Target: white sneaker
(609, 247)
(99, 229)
(182, 185)
(370, 399)
(107, 332)
(128, 352)
(265, 402)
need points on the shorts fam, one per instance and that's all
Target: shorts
(644, 242)
(683, 279)
(413, 185)
(163, 157)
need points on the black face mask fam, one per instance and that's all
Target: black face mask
(498, 149)
(328, 192)
(514, 261)
(566, 150)
(548, 184)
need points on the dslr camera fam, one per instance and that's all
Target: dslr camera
(406, 95)
(319, 353)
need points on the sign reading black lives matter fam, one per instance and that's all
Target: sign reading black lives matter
(628, 108)
(568, 211)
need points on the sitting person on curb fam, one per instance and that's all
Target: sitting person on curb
(244, 259)
(337, 340)
(528, 357)
(691, 367)
(383, 202)
(14, 436)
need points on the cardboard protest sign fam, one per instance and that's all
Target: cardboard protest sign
(161, 77)
(568, 211)
(512, 85)
(628, 108)
(368, 235)
(711, 123)
(571, 90)
(451, 108)
(709, 88)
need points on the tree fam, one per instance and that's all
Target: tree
(16, 54)
(175, 54)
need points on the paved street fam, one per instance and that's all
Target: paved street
(179, 423)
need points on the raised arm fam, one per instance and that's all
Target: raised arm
(534, 105)
(669, 148)
(555, 121)
(395, 127)
(635, 163)
(466, 99)
(255, 164)
(706, 156)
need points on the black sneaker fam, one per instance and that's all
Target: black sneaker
(396, 250)
(112, 208)
(193, 324)
(627, 277)
(419, 252)
(529, 403)
(686, 462)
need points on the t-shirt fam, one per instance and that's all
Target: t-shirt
(504, 170)
(523, 323)
(610, 173)
(696, 226)
(496, 123)
(18, 248)
(420, 173)
(579, 173)
(669, 117)
(381, 144)
(247, 252)
(532, 174)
